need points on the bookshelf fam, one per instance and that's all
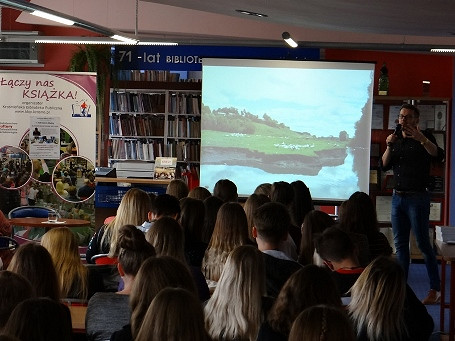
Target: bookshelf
(148, 119)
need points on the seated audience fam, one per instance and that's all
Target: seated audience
(264, 188)
(72, 275)
(226, 190)
(174, 314)
(165, 205)
(384, 307)
(315, 222)
(107, 311)
(271, 224)
(322, 323)
(231, 230)
(192, 222)
(40, 319)
(14, 288)
(302, 203)
(167, 238)
(251, 204)
(212, 205)
(134, 209)
(34, 262)
(310, 286)
(154, 275)
(283, 193)
(200, 193)
(177, 188)
(238, 306)
(359, 216)
(339, 253)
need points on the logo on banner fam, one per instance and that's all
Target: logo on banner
(81, 109)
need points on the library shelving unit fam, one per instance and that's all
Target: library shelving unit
(434, 116)
(151, 119)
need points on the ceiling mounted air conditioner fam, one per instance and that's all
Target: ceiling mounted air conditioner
(19, 48)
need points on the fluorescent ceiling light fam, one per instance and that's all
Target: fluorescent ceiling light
(125, 39)
(287, 38)
(443, 50)
(95, 40)
(157, 43)
(52, 17)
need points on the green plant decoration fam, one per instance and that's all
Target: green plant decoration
(94, 58)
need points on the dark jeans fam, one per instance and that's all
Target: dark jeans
(411, 211)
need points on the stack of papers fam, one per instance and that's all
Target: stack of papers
(445, 234)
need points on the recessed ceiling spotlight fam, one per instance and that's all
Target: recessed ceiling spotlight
(260, 15)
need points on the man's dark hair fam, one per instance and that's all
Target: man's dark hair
(226, 190)
(411, 107)
(335, 245)
(272, 222)
(165, 205)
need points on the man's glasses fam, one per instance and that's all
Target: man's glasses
(402, 117)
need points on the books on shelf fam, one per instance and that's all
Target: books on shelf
(185, 104)
(136, 125)
(127, 101)
(187, 127)
(135, 149)
(148, 75)
(445, 234)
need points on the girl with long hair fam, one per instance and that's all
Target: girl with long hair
(167, 238)
(175, 314)
(315, 222)
(236, 310)
(72, 275)
(34, 262)
(107, 311)
(309, 286)
(384, 308)
(154, 275)
(231, 230)
(322, 323)
(133, 210)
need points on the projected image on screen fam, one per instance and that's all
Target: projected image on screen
(266, 121)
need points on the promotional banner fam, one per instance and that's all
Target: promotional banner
(47, 141)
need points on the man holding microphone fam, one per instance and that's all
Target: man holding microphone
(409, 153)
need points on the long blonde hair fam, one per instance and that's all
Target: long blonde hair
(377, 302)
(230, 231)
(175, 314)
(133, 210)
(235, 309)
(62, 245)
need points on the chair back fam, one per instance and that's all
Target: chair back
(8, 243)
(104, 259)
(31, 211)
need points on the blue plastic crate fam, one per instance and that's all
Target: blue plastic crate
(110, 196)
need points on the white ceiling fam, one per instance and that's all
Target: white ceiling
(333, 22)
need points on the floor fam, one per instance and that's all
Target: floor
(418, 280)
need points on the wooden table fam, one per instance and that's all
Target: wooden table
(43, 222)
(447, 253)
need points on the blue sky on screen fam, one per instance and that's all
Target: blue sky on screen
(318, 101)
